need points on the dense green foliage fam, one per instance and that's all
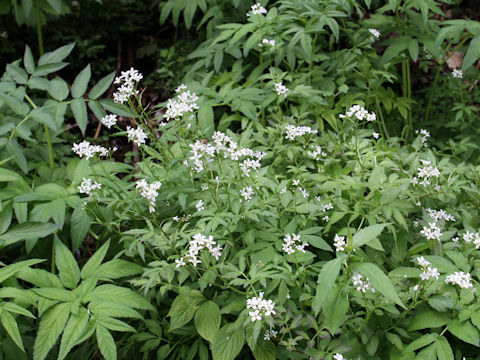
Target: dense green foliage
(293, 179)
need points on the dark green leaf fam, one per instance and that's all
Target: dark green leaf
(79, 109)
(80, 83)
(99, 88)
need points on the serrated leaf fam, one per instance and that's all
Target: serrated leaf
(118, 268)
(106, 344)
(28, 61)
(99, 88)
(419, 343)
(26, 231)
(226, 344)
(51, 326)
(464, 331)
(335, 308)
(58, 208)
(79, 109)
(326, 279)
(75, 327)
(182, 311)
(56, 5)
(43, 117)
(426, 319)
(444, 351)
(8, 175)
(54, 293)
(265, 350)
(120, 295)
(10, 325)
(57, 55)
(58, 89)
(92, 265)
(97, 109)
(113, 324)
(79, 225)
(365, 235)
(472, 54)
(80, 83)
(18, 75)
(46, 69)
(207, 320)
(67, 266)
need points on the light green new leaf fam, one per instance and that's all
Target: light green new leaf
(28, 61)
(444, 351)
(90, 268)
(226, 345)
(14, 308)
(207, 320)
(51, 326)
(54, 293)
(56, 5)
(464, 331)
(380, 281)
(8, 175)
(365, 235)
(10, 325)
(67, 266)
(80, 83)
(58, 89)
(106, 344)
(79, 109)
(118, 268)
(326, 280)
(99, 88)
(73, 330)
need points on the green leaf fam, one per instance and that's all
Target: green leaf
(380, 281)
(368, 234)
(90, 268)
(118, 268)
(49, 68)
(413, 49)
(207, 320)
(119, 295)
(473, 53)
(54, 293)
(8, 175)
(75, 327)
(112, 323)
(118, 109)
(56, 5)
(419, 343)
(326, 280)
(182, 311)
(10, 325)
(58, 89)
(18, 75)
(79, 109)
(335, 308)
(444, 351)
(80, 83)
(426, 319)
(51, 326)
(226, 344)
(99, 88)
(106, 344)
(28, 61)
(39, 277)
(56, 56)
(16, 105)
(265, 350)
(67, 266)
(58, 208)
(429, 353)
(10, 270)
(21, 295)
(43, 117)
(79, 224)
(205, 120)
(26, 231)
(464, 331)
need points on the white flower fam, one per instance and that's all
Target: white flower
(127, 80)
(280, 88)
(326, 218)
(86, 149)
(317, 153)
(184, 103)
(304, 192)
(425, 135)
(86, 187)
(258, 9)
(149, 192)
(109, 120)
(422, 262)
(267, 42)
(260, 307)
(432, 232)
(180, 262)
(327, 207)
(180, 88)
(204, 187)
(338, 356)
(437, 215)
(200, 205)
(362, 285)
(295, 131)
(292, 243)
(246, 193)
(199, 243)
(375, 34)
(468, 237)
(339, 243)
(457, 73)
(138, 136)
(460, 278)
(269, 334)
(359, 113)
(429, 272)
(425, 173)
(376, 135)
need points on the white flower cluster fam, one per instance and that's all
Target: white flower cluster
(327, 207)
(425, 135)
(459, 278)
(425, 173)
(149, 192)
(138, 136)
(295, 131)
(281, 89)
(267, 42)
(317, 153)
(200, 205)
(257, 9)
(88, 150)
(260, 307)
(202, 152)
(127, 80)
(375, 34)
(457, 73)
(184, 103)
(439, 215)
(338, 356)
(86, 187)
(339, 243)
(376, 135)
(428, 271)
(468, 237)
(199, 243)
(292, 242)
(359, 113)
(269, 334)
(362, 285)
(109, 120)
(432, 232)
(246, 193)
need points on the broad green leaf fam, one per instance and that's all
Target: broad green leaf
(119, 109)
(91, 266)
(265, 350)
(56, 5)
(58, 208)
(99, 88)
(426, 319)
(226, 344)
(5, 217)
(79, 109)
(80, 83)
(413, 49)
(67, 266)
(73, 330)
(428, 353)
(28, 61)
(205, 120)
(379, 281)
(182, 311)
(10, 270)
(475, 318)
(105, 308)
(112, 323)
(43, 117)
(10, 325)
(20, 295)
(207, 320)
(46, 69)
(58, 89)
(26, 231)
(365, 235)
(326, 280)
(473, 53)
(97, 109)
(51, 326)
(119, 295)
(444, 351)
(106, 344)
(79, 224)
(8, 175)
(54, 293)
(335, 308)
(16, 105)
(118, 268)
(39, 277)
(464, 331)
(419, 343)
(56, 56)
(17, 73)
